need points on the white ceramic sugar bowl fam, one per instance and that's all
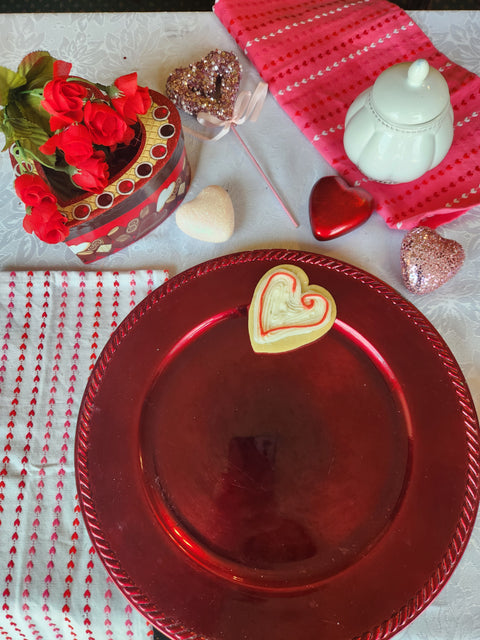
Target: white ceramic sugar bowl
(402, 126)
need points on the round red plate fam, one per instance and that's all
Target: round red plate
(326, 492)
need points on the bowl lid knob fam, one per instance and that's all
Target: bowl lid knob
(418, 72)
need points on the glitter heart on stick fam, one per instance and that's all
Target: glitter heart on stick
(429, 260)
(205, 89)
(210, 85)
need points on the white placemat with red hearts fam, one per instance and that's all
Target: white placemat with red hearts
(53, 326)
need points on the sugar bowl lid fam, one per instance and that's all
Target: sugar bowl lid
(410, 93)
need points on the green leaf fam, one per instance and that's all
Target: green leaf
(29, 136)
(29, 145)
(9, 135)
(41, 73)
(29, 107)
(23, 153)
(9, 80)
(26, 130)
(37, 67)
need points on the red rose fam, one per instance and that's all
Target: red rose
(32, 190)
(46, 222)
(64, 100)
(92, 174)
(106, 126)
(131, 99)
(75, 141)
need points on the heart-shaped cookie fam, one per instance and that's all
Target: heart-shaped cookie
(336, 208)
(429, 260)
(209, 85)
(286, 312)
(209, 216)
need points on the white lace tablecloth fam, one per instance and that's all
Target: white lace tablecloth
(53, 585)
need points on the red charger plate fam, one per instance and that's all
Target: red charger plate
(326, 492)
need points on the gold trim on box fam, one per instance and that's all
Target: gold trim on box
(151, 127)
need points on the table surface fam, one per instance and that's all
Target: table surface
(104, 46)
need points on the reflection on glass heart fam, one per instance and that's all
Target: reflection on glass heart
(336, 208)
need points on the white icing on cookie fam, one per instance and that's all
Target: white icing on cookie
(286, 312)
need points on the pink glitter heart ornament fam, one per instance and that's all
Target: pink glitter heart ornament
(209, 85)
(429, 260)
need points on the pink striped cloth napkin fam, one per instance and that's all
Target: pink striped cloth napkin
(53, 326)
(317, 56)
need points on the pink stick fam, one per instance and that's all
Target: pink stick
(259, 169)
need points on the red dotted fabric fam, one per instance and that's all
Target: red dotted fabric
(318, 56)
(53, 326)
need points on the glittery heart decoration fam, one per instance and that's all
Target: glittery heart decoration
(336, 208)
(429, 260)
(208, 217)
(286, 312)
(209, 85)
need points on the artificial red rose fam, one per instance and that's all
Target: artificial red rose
(106, 126)
(131, 99)
(46, 222)
(63, 99)
(75, 141)
(32, 190)
(92, 174)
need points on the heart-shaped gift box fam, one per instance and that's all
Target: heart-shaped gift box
(151, 179)
(96, 166)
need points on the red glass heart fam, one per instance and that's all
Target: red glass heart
(336, 208)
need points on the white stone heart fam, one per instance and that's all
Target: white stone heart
(209, 216)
